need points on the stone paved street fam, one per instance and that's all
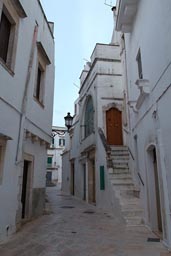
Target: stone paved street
(82, 230)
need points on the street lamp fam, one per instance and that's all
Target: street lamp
(68, 121)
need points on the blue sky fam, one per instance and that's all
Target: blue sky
(79, 25)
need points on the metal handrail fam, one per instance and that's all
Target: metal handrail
(104, 141)
(138, 173)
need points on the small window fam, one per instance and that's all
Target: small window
(62, 142)
(39, 86)
(139, 62)
(53, 142)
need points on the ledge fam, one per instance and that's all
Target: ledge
(126, 11)
(43, 53)
(19, 8)
(5, 137)
(143, 86)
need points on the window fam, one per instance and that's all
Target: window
(9, 23)
(42, 62)
(139, 62)
(2, 154)
(61, 142)
(89, 117)
(49, 161)
(5, 28)
(39, 88)
(53, 142)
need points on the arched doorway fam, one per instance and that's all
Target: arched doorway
(114, 126)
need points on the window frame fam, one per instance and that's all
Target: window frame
(41, 65)
(9, 12)
(89, 118)
(61, 142)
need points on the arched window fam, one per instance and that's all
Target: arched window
(89, 117)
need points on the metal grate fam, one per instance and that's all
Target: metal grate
(153, 239)
(67, 207)
(89, 212)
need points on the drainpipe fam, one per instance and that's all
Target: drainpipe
(19, 151)
(167, 211)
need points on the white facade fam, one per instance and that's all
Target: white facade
(85, 157)
(26, 103)
(146, 58)
(54, 158)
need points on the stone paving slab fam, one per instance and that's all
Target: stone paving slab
(72, 227)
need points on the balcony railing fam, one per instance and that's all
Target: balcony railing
(52, 166)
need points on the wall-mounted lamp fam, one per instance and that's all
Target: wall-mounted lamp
(68, 121)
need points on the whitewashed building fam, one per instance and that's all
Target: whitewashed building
(26, 102)
(54, 158)
(146, 58)
(100, 98)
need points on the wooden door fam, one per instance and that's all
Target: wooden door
(24, 188)
(114, 127)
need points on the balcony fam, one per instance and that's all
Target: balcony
(144, 87)
(52, 166)
(126, 11)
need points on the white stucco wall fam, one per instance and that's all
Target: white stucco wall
(151, 34)
(37, 120)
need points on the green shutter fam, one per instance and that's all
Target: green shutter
(49, 160)
(102, 178)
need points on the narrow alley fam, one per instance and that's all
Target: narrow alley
(71, 227)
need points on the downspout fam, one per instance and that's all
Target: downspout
(19, 150)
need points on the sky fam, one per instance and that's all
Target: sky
(79, 25)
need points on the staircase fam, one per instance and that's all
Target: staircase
(124, 187)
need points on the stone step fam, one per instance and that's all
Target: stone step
(132, 200)
(122, 184)
(134, 221)
(123, 153)
(118, 148)
(119, 161)
(120, 165)
(125, 181)
(120, 176)
(127, 193)
(121, 171)
(132, 212)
